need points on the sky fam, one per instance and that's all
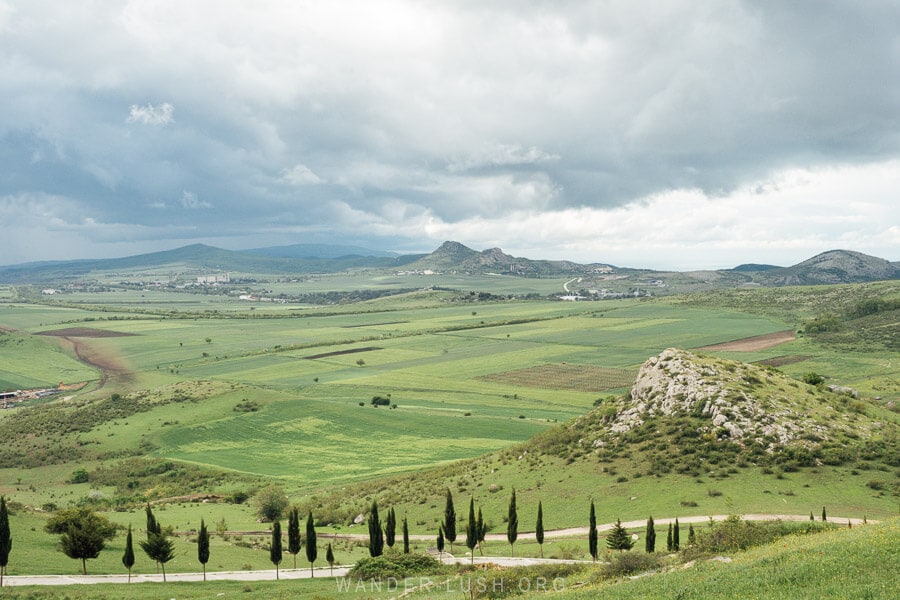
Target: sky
(672, 134)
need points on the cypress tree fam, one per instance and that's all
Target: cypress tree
(539, 528)
(618, 538)
(294, 540)
(472, 530)
(128, 556)
(482, 531)
(512, 524)
(692, 537)
(676, 538)
(405, 537)
(153, 527)
(329, 556)
(390, 528)
(824, 517)
(440, 541)
(203, 546)
(811, 517)
(275, 548)
(311, 551)
(5, 538)
(450, 521)
(376, 537)
(592, 533)
(669, 539)
(650, 536)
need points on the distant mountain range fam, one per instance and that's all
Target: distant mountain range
(835, 266)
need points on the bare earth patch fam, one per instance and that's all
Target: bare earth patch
(784, 359)
(752, 344)
(582, 378)
(85, 332)
(342, 352)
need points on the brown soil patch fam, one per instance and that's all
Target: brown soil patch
(342, 352)
(6, 329)
(784, 359)
(582, 378)
(84, 332)
(752, 344)
(112, 368)
(374, 324)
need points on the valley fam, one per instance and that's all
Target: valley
(196, 402)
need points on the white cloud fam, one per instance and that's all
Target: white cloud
(191, 201)
(500, 155)
(152, 115)
(301, 175)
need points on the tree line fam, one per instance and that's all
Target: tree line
(84, 533)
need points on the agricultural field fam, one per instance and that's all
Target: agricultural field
(249, 395)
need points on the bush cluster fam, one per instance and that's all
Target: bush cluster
(393, 565)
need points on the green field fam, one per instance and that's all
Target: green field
(284, 393)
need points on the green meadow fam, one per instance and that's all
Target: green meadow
(283, 393)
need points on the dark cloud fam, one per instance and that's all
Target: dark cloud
(278, 119)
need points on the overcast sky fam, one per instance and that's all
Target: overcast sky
(666, 134)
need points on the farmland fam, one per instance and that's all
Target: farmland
(250, 394)
(464, 380)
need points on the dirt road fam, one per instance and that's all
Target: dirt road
(269, 574)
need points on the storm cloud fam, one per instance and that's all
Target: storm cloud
(686, 131)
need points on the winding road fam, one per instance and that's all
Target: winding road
(342, 571)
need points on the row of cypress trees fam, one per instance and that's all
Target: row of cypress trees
(476, 529)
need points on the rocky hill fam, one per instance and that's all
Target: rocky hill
(684, 407)
(455, 257)
(834, 266)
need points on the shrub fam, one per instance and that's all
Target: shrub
(813, 378)
(394, 566)
(630, 563)
(271, 502)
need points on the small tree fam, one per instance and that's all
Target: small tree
(376, 537)
(311, 550)
(390, 528)
(472, 531)
(482, 531)
(5, 538)
(592, 533)
(271, 502)
(203, 546)
(405, 537)
(539, 528)
(160, 548)
(440, 541)
(275, 547)
(83, 533)
(824, 516)
(294, 541)
(692, 537)
(450, 520)
(676, 538)
(811, 517)
(650, 536)
(153, 526)
(329, 557)
(669, 539)
(128, 556)
(618, 538)
(512, 523)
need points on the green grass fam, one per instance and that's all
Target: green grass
(434, 356)
(839, 564)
